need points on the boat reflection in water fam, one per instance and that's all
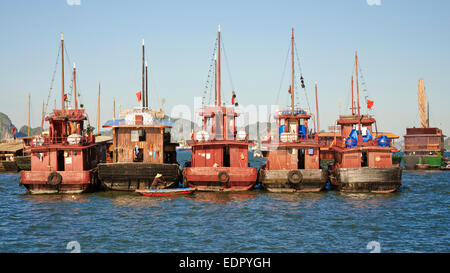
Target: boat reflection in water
(223, 197)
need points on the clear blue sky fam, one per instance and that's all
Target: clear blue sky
(398, 42)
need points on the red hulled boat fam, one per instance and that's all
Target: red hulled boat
(219, 152)
(65, 160)
(293, 154)
(363, 163)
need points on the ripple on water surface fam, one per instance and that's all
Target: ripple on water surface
(415, 219)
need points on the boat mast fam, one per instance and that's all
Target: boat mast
(29, 102)
(98, 113)
(317, 111)
(218, 72)
(146, 84)
(42, 119)
(143, 74)
(75, 86)
(62, 68)
(293, 72)
(357, 91)
(353, 100)
(215, 79)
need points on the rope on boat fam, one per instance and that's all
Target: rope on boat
(284, 71)
(52, 82)
(228, 66)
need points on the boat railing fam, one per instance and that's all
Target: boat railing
(46, 140)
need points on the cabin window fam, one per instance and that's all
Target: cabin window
(142, 135)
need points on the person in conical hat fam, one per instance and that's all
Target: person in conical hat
(159, 182)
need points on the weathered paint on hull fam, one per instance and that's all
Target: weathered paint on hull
(72, 182)
(376, 180)
(206, 178)
(135, 176)
(277, 180)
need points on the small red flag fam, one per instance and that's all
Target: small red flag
(369, 104)
(13, 130)
(289, 90)
(138, 95)
(65, 97)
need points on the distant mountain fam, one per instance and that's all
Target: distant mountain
(5, 126)
(182, 129)
(33, 131)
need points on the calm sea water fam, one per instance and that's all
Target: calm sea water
(415, 219)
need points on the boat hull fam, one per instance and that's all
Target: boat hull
(207, 178)
(36, 182)
(422, 162)
(8, 166)
(277, 180)
(376, 180)
(135, 176)
(166, 192)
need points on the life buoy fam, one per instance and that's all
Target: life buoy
(54, 179)
(223, 177)
(295, 177)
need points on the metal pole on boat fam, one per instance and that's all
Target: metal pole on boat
(29, 108)
(317, 111)
(98, 113)
(62, 68)
(215, 80)
(218, 72)
(293, 73)
(357, 91)
(75, 86)
(353, 100)
(143, 74)
(114, 105)
(42, 119)
(146, 84)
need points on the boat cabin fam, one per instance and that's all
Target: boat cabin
(366, 150)
(68, 146)
(293, 147)
(219, 144)
(142, 136)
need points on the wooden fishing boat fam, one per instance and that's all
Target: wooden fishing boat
(424, 145)
(166, 192)
(65, 161)
(219, 152)
(293, 154)
(363, 163)
(141, 147)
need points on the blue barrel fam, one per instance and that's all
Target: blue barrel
(351, 142)
(368, 136)
(353, 134)
(280, 130)
(301, 131)
(383, 141)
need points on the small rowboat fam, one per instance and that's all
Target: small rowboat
(165, 192)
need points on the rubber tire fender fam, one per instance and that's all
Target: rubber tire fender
(223, 180)
(295, 177)
(54, 179)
